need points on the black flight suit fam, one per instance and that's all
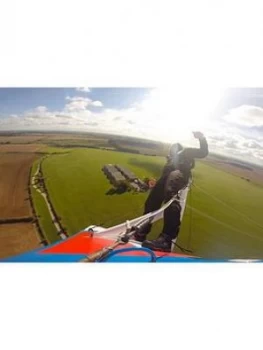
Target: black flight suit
(175, 176)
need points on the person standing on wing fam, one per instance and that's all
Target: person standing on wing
(175, 176)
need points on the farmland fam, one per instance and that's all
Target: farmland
(14, 169)
(22, 148)
(78, 188)
(225, 221)
(223, 216)
(249, 173)
(18, 152)
(35, 141)
(17, 238)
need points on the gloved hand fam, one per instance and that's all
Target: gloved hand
(198, 135)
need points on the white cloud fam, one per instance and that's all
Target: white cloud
(159, 117)
(78, 98)
(245, 115)
(74, 114)
(230, 143)
(97, 104)
(41, 109)
(164, 115)
(83, 89)
(77, 104)
(253, 144)
(37, 113)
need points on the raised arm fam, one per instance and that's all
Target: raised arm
(200, 152)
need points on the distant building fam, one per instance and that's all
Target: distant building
(120, 176)
(126, 172)
(114, 175)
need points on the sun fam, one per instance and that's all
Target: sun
(177, 111)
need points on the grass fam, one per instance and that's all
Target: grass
(235, 204)
(78, 189)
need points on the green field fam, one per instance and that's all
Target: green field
(213, 229)
(227, 220)
(78, 187)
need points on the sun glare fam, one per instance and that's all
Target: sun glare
(176, 112)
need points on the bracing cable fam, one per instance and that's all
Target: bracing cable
(190, 219)
(229, 207)
(121, 217)
(184, 250)
(224, 224)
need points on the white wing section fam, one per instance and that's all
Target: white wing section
(183, 198)
(114, 231)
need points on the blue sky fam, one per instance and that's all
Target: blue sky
(18, 100)
(232, 119)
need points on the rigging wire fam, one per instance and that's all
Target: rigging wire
(228, 206)
(122, 216)
(190, 217)
(184, 250)
(224, 224)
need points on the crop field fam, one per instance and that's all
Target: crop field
(18, 152)
(17, 238)
(14, 170)
(23, 148)
(223, 218)
(25, 138)
(20, 139)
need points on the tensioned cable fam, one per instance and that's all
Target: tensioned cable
(228, 206)
(124, 216)
(224, 224)
(190, 219)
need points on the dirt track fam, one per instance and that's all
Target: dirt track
(16, 239)
(14, 175)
